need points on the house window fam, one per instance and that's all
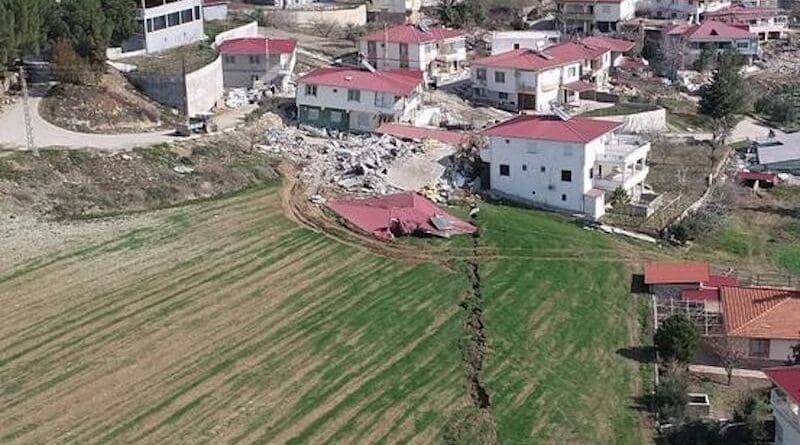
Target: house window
(313, 114)
(563, 197)
(255, 59)
(354, 95)
(186, 16)
(311, 90)
(404, 49)
(197, 15)
(159, 23)
(336, 117)
(403, 63)
(149, 25)
(481, 74)
(174, 19)
(516, 46)
(605, 8)
(759, 347)
(743, 44)
(591, 173)
(499, 77)
(504, 170)
(524, 167)
(502, 96)
(229, 59)
(542, 169)
(572, 71)
(566, 175)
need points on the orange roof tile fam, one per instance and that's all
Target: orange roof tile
(676, 273)
(761, 312)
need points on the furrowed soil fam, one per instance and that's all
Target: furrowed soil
(231, 321)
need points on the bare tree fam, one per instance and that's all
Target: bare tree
(674, 50)
(729, 352)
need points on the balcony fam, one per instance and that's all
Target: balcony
(623, 149)
(526, 87)
(626, 178)
(785, 409)
(451, 54)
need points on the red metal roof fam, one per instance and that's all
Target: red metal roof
(420, 133)
(258, 45)
(552, 128)
(761, 312)
(633, 63)
(758, 176)
(717, 281)
(401, 214)
(555, 55)
(676, 273)
(741, 14)
(579, 86)
(400, 82)
(410, 33)
(616, 45)
(710, 31)
(700, 295)
(786, 378)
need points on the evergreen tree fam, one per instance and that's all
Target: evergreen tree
(122, 14)
(88, 28)
(725, 96)
(676, 339)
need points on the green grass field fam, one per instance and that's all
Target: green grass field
(224, 322)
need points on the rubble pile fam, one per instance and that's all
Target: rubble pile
(334, 160)
(780, 57)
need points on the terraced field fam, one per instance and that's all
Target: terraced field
(225, 322)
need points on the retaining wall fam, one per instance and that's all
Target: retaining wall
(646, 122)
(341, 15)
(248, 30)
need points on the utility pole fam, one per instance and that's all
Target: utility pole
(27, 112)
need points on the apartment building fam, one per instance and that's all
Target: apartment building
(439, 53)
(766, 23)
(252, 60)
(785, 403)
(358, 100)
(166, 24)
(527, 79)
(717, 35)
(564, 163)
(585, 16)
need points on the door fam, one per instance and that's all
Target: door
(527, 101)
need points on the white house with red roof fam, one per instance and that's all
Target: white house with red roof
(681, 9)
(618, 47)
(529, 79)
(563, 164)
(358, 100)
(717, 35)
(440, 53)
(767, 23)
(586, 16)
(785, 403)
(249, 60)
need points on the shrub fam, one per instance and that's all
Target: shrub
(671, 397)
(70, 67)
(676, 339)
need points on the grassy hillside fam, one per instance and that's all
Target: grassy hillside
(224, 322)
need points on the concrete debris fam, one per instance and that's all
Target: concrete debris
(182, 169)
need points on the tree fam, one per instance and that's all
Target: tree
(461, 14)
(122, 15)
(753, 412)
(69, 66)
(671, 398)
(706, 59)
(619, 197)
(676, 339)
(671, 55)
(729, 352)
(87, 26)
(725, 96)
(794, 356)
(21, 28)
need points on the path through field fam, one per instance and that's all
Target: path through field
(227, 322)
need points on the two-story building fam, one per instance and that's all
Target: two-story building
(618, 47)
(358, 100)
(504, 41)
(566, 164)
(717, 35)
(785, 403)
(393, 11)
(252, 60)
(439, 53)
(585, 16)
(766, 23)
(527, 79)
(165, 24)
(681, 9)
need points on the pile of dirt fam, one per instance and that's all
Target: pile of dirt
(80, 184)
(111, 106)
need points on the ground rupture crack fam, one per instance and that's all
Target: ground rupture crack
(474, 343)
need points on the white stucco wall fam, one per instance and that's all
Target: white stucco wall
(239, 72)
(215, 12)
(506, 41)
(547, 83)
(781, 349)
(173, 36)
(420, 56)
(240, 32)
(204, 88)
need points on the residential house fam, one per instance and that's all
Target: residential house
(565, 164)
(504, 41)
(165, 24)
(671, 279)
(358, 100)
(440, 53)
(780, 154)
(585, 16)
(393, 11)
(618, 47)
(716, 35)
(681, 9)
(785, 403)
(766, 23)
(765, 320)
(251, 60)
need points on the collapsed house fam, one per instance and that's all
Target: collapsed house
(389, 216)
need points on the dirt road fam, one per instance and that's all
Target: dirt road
(45, 134)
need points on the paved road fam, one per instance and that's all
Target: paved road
(12, 133)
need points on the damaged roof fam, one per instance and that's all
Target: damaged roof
(386, 217)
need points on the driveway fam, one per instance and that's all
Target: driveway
(45, 134)
(748, 128)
